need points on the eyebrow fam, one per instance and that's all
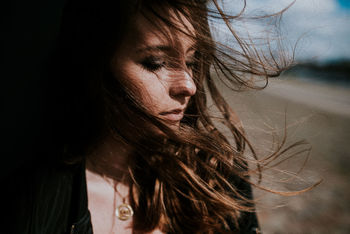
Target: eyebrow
(156, 48)
(161, 48)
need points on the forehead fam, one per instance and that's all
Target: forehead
(149, 30)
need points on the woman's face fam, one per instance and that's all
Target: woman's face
(158, 69)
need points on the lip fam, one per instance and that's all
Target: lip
(173, 115)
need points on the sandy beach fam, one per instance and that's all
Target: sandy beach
(319, 113)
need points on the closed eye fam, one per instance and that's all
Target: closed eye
(191, 62)
(190, 65)
(153, 63)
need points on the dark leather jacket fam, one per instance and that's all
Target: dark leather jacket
(49, 199)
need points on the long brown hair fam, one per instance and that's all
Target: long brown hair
(187, 180)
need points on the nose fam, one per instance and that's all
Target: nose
(182, 84)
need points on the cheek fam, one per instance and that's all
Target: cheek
(147, 88)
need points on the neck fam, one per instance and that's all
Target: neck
(110, 159)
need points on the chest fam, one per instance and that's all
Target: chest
(103, 202)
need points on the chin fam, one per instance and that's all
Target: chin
(175, 126)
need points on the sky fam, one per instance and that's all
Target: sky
(322, 25)
(344, 3)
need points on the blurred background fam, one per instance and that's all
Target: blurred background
(314, 96)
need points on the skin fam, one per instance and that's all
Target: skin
(158, 72)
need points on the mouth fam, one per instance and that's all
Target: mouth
(173, 116)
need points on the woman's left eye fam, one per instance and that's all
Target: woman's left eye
(190, 64)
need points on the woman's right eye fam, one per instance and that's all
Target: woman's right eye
(153, 63)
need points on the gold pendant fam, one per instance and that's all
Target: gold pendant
(124, 212)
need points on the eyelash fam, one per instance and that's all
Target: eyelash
(191, 65)
(154, 64)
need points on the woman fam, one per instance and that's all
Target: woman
(130, 105)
